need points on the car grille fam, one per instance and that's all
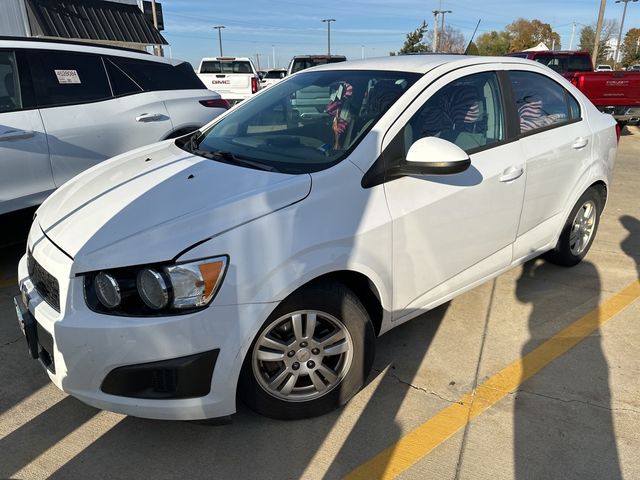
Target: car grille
(45, 284)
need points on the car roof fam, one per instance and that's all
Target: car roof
(81, 47)
(417, 63)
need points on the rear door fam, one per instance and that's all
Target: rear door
(24, 157)
(85, 124)
(557, 144)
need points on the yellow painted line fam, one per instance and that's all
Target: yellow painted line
(8, 282)
(419, 442)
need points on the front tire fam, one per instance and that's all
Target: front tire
(311, 356)
(579, 230)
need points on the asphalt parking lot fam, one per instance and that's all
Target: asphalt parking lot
(533, 375)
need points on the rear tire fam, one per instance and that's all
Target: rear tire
(312, 355)
(579, 230)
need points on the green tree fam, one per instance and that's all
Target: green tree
(414, 42)
(525, 34)
(473, 49)
(588, 40)
(494, 43)
(631, 47)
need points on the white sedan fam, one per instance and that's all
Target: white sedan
(263, 254)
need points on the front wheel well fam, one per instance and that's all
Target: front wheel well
(181, 131)
(361, 286)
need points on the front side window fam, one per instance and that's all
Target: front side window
(468, 112)
(304, 123)
(63, 78)
(10, 98)
(540, 101)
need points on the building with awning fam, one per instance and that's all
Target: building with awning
(122, 23)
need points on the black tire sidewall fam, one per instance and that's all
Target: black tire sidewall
(562, 254)
(342, 304)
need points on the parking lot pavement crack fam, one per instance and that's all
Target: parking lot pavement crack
(422, 389)
(582, 402)
(11, 342)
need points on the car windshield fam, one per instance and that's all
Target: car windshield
(304, 123)
(275, 74)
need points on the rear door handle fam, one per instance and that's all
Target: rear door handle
(149, 117)
(511, 174)
(16, 135)
(580, 142)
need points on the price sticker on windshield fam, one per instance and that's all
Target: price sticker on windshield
(67, 76)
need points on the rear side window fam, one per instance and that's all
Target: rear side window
(540, 101)
(153, 76)
(10, 98)
(63, 78)
(232, 66)
(121, 83)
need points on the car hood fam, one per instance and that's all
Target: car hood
(153, 203)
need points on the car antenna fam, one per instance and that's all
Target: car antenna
(466, 50)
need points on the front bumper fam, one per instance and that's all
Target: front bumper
(87, 347)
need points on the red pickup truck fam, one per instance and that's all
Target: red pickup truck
(617, 92)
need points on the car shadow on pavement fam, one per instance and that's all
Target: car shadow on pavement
(253, 446)
(563, 425)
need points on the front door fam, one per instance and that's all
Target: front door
(450, 231)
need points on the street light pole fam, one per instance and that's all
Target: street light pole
(219, 28)
(596, 43)
(273, 55)
(328, 22)
(624, 13)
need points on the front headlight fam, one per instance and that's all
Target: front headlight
(155, 289)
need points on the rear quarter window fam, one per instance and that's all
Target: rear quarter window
(154, 76)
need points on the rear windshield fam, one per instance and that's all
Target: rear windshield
(303, 63)
(276, 74)
(566, 63)
(232, 66)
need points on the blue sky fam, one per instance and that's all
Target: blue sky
(294, 27)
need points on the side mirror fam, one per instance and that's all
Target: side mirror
(435, 156)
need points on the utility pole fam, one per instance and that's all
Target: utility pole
(603, 4)
(328, 22)
(219, 28)
(435, 27)
(573, 32)
(273, 55)
(435, 30)
(624, 13)
(157, 49)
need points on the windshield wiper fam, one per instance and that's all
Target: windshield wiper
(235, 159)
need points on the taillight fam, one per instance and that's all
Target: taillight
(216, 103)
(618, 130)
(254, 85)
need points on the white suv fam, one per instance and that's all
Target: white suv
(235, 79)
(65, 107)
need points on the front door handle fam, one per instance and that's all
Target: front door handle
(16, 135)
(580, 142)
(149, 117)
(511, 174)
